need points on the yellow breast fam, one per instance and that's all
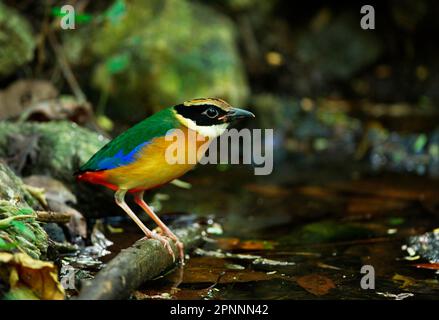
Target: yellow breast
(151, 167)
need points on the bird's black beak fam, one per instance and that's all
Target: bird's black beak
(235, 114)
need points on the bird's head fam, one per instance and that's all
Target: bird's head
(210, 116)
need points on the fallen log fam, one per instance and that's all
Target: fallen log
(144, 260)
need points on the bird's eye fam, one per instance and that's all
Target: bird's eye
(211, 112)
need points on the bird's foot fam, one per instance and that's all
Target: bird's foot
(179, 245)
(163, 239)
(165, 243)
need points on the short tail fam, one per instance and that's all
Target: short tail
(95, 177)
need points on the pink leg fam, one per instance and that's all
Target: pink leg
(119, 196)
(138, 198)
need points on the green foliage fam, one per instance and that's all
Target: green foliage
(6, 246)
(420, 142)
(17, 42)
(22, 229)
(116, 11)
(25, 211)
(79, 17)
(18, 228)
(20, 293)
(118, 63)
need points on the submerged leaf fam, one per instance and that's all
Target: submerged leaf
(316, 284)
(406, 281)
(268, 190)
(237, 244)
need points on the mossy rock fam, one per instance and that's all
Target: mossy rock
(57, 150)
(142, 70)
(17, 42)
(61, 147)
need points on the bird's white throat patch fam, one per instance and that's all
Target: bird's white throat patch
(212, 131)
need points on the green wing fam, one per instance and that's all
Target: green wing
(122, 149)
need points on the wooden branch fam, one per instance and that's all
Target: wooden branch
(53, 216)
(41, 216)
(144, 260)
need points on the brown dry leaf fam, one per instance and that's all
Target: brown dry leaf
(40, 276)
(431, 266)
(380, 188)
(214, 270)
(268, 190)
(316, 192)
(237, 244)
(227, 243)
(316, 284)
(257, 245)
(374, 205)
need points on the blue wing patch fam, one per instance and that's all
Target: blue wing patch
(120, 159)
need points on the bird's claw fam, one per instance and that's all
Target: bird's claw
(180, 247)
(165, 244)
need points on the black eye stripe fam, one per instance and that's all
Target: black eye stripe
(197, 113)
(211, 112)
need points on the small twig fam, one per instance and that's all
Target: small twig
(53, 216)
(65, 67)
(41, 216)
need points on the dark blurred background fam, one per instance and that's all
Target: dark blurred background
(356, 136)
(306, 68)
